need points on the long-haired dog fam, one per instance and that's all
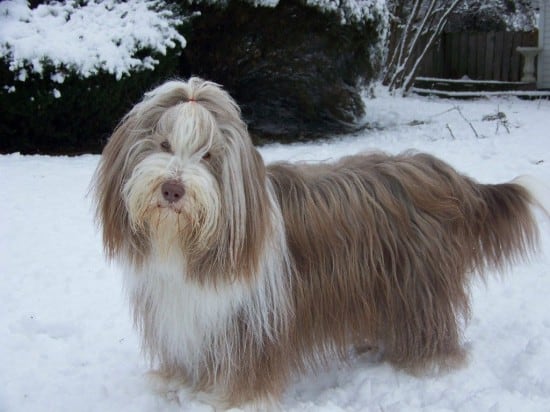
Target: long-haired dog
(242, 275)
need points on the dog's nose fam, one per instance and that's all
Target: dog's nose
(172, 191)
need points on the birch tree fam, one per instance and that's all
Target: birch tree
(416, 26)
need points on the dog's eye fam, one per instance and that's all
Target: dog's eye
(206, 156)
(165, 145)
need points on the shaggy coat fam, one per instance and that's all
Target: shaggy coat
(242, 275)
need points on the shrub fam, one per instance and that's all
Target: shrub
(76, 116)
(69, 70)
(295, 66)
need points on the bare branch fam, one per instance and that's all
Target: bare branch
(469, 122)
(406, 30)
(398, 47)
(450, 131)
(407, 84)
(398, 75)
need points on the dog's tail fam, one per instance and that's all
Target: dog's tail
(538, 190)
(506, 226)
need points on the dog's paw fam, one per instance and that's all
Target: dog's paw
(172, 388)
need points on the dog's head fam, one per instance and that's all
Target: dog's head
(180, 175)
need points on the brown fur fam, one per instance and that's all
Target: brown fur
(384, 247)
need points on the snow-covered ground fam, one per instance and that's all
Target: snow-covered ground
(66, 339)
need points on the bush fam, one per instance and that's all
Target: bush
(77, 116)
(295, 69)
(498, 15)
(70, 70)
(300, 82)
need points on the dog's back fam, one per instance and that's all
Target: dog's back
(383, 248)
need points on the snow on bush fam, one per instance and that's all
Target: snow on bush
(86, 37)
(350, 11)
(353, 10)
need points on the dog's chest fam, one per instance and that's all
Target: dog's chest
(179, 317)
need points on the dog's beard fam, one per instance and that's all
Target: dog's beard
(188, 224)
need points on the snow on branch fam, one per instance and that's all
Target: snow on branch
(86, 36)
(411, 41)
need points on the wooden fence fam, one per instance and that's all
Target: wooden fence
(480, 56)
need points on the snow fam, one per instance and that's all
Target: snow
(466, 80)
(353, 10)
(86, 36)
(480, 94)
(66, 333)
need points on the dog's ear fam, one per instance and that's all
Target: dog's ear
(244, 222)
(246, 200)
(112, 171)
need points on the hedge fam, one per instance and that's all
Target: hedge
(80, 119)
